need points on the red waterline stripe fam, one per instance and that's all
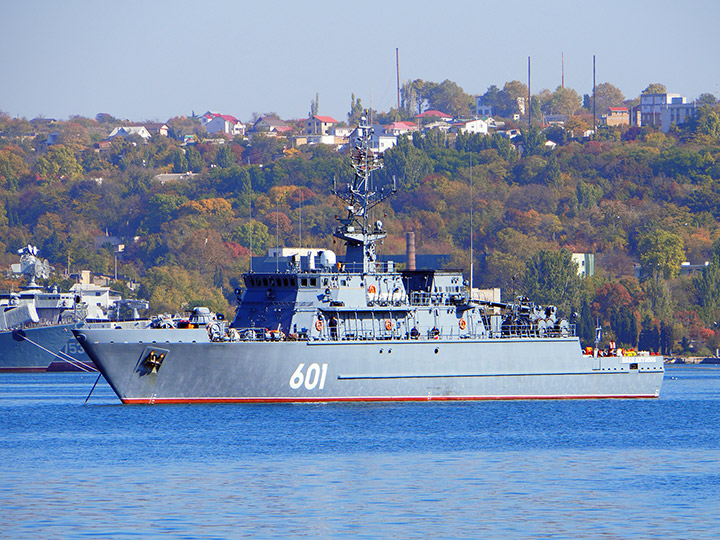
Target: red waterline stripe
(147, 401)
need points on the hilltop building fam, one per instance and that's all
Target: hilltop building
(664, 110)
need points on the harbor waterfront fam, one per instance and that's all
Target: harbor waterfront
(647, 468)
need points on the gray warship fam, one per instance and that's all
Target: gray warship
(36, 322)
(359, 329)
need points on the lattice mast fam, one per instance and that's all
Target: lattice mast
(355, 229)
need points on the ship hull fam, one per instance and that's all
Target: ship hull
(193, 369)
(53, 343)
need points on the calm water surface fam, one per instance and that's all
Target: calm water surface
(544, 469)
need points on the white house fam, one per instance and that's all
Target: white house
(225, 123)
(470, 126)
(341, 131)
(125, 131)
(380, 140)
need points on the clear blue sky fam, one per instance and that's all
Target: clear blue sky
(152, 60)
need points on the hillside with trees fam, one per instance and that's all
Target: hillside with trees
(630, 196)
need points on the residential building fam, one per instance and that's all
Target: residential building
(157, 129)
(664, 110)
(401, 128)
(125, 131)
(207, 117)
(380, 140)
(319, 125)
(342, 132)
(651, 107)
(510, 133)
(470, 126)
(492, 123)
(439, 125)
(677, 112)
(555, 119)
(225, 123)
(271, 126)
(434, 116)
(329, 139)
(481, 109)
(616, 116)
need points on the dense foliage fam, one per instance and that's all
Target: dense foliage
(633, 196)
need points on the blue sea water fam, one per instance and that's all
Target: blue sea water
(491, 470)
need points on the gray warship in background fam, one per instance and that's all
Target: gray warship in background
(362, 330)
(36, 323)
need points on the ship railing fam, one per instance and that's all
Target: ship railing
(532, 331)
(446, 332)
(424, 298)
(248, 334)
(359, 268)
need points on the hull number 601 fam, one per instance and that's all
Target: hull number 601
(313, 377)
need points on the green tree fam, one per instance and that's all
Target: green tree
(448, 97)
(606, 96)
(171, 288)
(58, 163)
(314, 105)
(551, 278)
(252, 234)
(225, 156)
(356, 110)
(407, 163)
(194, 160)
(661, 254)
(564, 101)
(180, 163)
(706, 99)
(13, 166)
(704, 125)
(649, 339)
(492, 98)
(511, 96)
(655, 88)
(707, 286)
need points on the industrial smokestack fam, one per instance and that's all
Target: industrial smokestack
(410, 250)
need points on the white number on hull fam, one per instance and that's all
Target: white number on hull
(315, 377)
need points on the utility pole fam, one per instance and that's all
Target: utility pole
(397, 71)
(594, 121)
(529, 100)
